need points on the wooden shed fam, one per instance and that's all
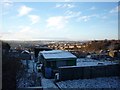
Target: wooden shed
(54, 59)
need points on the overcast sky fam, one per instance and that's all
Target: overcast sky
(59, 20)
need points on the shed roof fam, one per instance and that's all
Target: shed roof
(25, 51)
(54, 54)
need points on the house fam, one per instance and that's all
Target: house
(54, 59)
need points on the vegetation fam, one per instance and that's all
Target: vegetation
(102, 45)
(10, 68)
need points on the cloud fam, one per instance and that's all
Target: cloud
(68, 0)
(34, 18)
(85, 18)
(93, 8)
(58, 5)
(24, 10)
(8, 4)
(29, 33)
(71, 14)
(65, 6)
(24, 33)
(104, 17)
(6, 7)
(115, 10)
(57, 22)
(78, 15)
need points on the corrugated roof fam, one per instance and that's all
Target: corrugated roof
(57, 54)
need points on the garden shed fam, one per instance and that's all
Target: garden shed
(54, 59)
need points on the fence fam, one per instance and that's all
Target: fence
(70, 73)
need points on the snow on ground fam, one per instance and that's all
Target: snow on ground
(30, 76)
(31, 66)
(106, 82)
(47, 83)
(92, 62)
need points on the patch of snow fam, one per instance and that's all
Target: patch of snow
(84, 62)
(57, 54)
(25, 51)
(30, 76)
(106, 82)
(47, 83)
(92, 62)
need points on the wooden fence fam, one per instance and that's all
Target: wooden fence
(70, 73)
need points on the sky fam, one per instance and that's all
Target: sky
(59, 21)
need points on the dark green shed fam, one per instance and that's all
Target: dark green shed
(56, 58)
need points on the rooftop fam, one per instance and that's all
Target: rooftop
(86, 62)
(53, 54)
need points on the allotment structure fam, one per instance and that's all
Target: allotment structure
(52, 60)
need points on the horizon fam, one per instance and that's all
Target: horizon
(60, 40)
(66, 21)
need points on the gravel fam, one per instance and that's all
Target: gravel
(106, 82)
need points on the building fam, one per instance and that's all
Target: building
(38, 49)
(52, 60)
